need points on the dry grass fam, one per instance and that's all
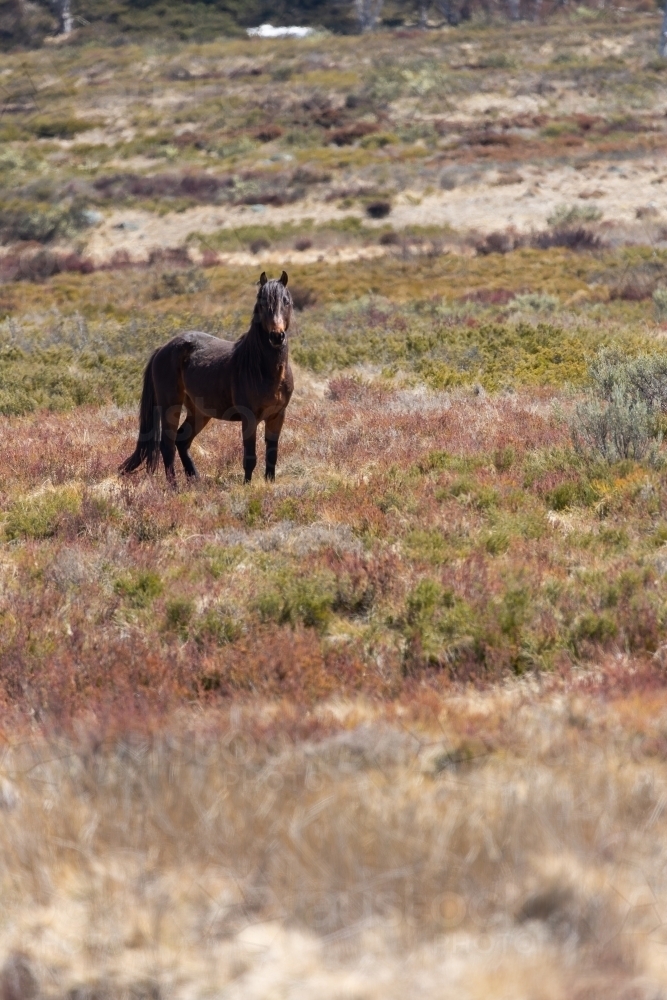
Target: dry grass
(393, 726)
(479, 845)
(412, 537)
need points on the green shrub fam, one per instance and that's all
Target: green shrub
(556, 129)
(139, 589)
(217, 626)
(58, 379)
(620, 417)
(436, 461)
(291, 600)
(221, 560)
(514, 611)
(660, 299)
(428, 545)
(422, 338)
(622, 428)
(640, 379)
(572, 493)
(437, 625)
(536, 301)
(567, 215)
(186, 282)
(178, 614)
(503, 458)
(594, 628)
(253, 512)
(42, 222)
(497, 542)
(59, 128)
(40, 516)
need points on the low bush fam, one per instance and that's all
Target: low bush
(178, 614)
(37, 266)
(41, 515)
(216, 627)
(621, 428)
(439, 628)
(139, 589)
(56, 379)
(643, 378)
(660, 303)
(500, 241)
(536, 301)
(572, 493)
(187, 282)
(302, 297)
(378, 209)
(59, 128)
(390, 239)
(619, 419)
(305, 600)
(568, 215)
(40, 222)
(572, 237)
(350, 134)
(633, 287)
(261, 243)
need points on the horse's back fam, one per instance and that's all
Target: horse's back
(191, 348)
(199, 362)
(204, 346)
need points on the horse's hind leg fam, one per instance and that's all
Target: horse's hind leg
(194, 423)
(170, 418)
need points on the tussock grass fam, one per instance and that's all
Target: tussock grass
(80, 339)
(438, 564)
(397, 718)
(357, 848)
(41, 515)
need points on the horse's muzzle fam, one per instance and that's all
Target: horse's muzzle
(277, 338)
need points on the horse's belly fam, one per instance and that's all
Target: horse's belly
(213, 401)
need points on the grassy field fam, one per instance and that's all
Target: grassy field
(395, 724)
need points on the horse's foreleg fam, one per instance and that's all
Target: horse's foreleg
(272, 429)
(249, 448)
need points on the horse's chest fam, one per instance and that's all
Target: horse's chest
(279, 396)
(267, 397)
(282, 393)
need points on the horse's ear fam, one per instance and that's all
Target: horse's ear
(284, 279)
(263, 279)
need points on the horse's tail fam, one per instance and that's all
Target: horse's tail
(148, 441)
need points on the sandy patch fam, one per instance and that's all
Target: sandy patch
(620, 190)
(137, 232)
(617, 190)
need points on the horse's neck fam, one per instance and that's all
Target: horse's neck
(269, 363)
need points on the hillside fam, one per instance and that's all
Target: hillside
(393, 725)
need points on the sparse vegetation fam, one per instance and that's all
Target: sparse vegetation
(402, 709)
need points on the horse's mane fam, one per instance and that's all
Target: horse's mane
(248, 351)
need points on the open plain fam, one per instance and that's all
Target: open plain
(395, 725)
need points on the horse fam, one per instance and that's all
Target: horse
(249, 380)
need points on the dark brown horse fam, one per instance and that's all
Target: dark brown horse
(249, 380)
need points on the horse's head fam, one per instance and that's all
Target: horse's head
(274, 308)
